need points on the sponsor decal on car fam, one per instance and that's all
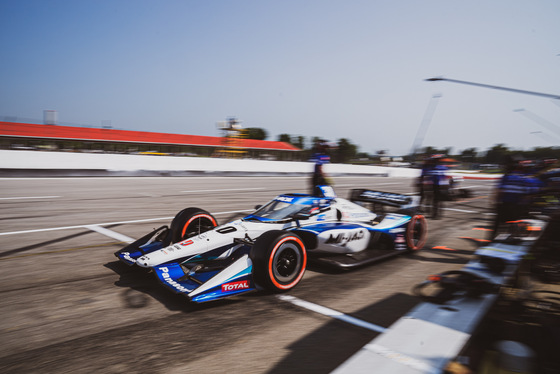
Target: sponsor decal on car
(392, 217)
(360, 215)
(386, 196)
(126, 256)
(400, 243)
(233, 286)
(285, 199)
(344, 238)
(356, 216)
(168, 279)
(186, 242)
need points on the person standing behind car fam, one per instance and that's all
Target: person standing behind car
(320, 157)
(436, 173)
(514, 193)
(319, 177)
(422, 179)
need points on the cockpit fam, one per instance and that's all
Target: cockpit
(290, 206)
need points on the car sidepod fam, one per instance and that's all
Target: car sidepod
(347, 245)
(352, 237)
(337, 237)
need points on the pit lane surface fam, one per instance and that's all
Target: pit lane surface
(68, 306)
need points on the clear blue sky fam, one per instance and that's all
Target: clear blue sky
(335, 69)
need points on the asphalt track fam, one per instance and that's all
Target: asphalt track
(67, 305)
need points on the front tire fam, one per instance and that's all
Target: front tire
(416, 232)
(279, 260)
(191, 222)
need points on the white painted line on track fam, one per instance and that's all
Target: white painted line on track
(197, 177)
(29, 197)
(331, 313)
(165, 178)
(376, 184)
(461, 210)
(234, 211)
(110, 223)
(228, 190)
(110, 233)
(401, 358)
(82, 226)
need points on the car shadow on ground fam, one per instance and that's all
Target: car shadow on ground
(140, 287)
(442, 255)
(24, 250)
(332, 344)
(318, 265)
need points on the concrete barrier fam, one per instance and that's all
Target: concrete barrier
(15, 163)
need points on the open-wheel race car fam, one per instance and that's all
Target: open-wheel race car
(269, 248)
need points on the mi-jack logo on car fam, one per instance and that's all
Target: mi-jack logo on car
(343, 239)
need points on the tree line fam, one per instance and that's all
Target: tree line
(496, 154)
(344, 151)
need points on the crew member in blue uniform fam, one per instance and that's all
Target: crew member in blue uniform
(319, 177)
(320, 157)
(435, 182)
(420, 182)
(515, 193)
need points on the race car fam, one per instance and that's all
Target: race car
(269, 248)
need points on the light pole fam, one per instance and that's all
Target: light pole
(541, 121)
(541, 135)
(550, 96)
(424, 124)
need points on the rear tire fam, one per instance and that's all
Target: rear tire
(279, 260)
(191, 222)
(416, 232)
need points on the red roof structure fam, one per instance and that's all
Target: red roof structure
(28, 130)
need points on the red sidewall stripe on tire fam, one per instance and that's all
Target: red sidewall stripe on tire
(410, 233)
(271, 273)
(195, 217)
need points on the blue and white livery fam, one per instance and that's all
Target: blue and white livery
(270, 248)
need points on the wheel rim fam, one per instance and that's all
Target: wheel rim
(286, 262)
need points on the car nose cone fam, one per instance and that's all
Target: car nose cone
(143, 262)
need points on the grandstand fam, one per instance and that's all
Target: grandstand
(50, 137)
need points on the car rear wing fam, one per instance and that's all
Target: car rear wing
(396, 200)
